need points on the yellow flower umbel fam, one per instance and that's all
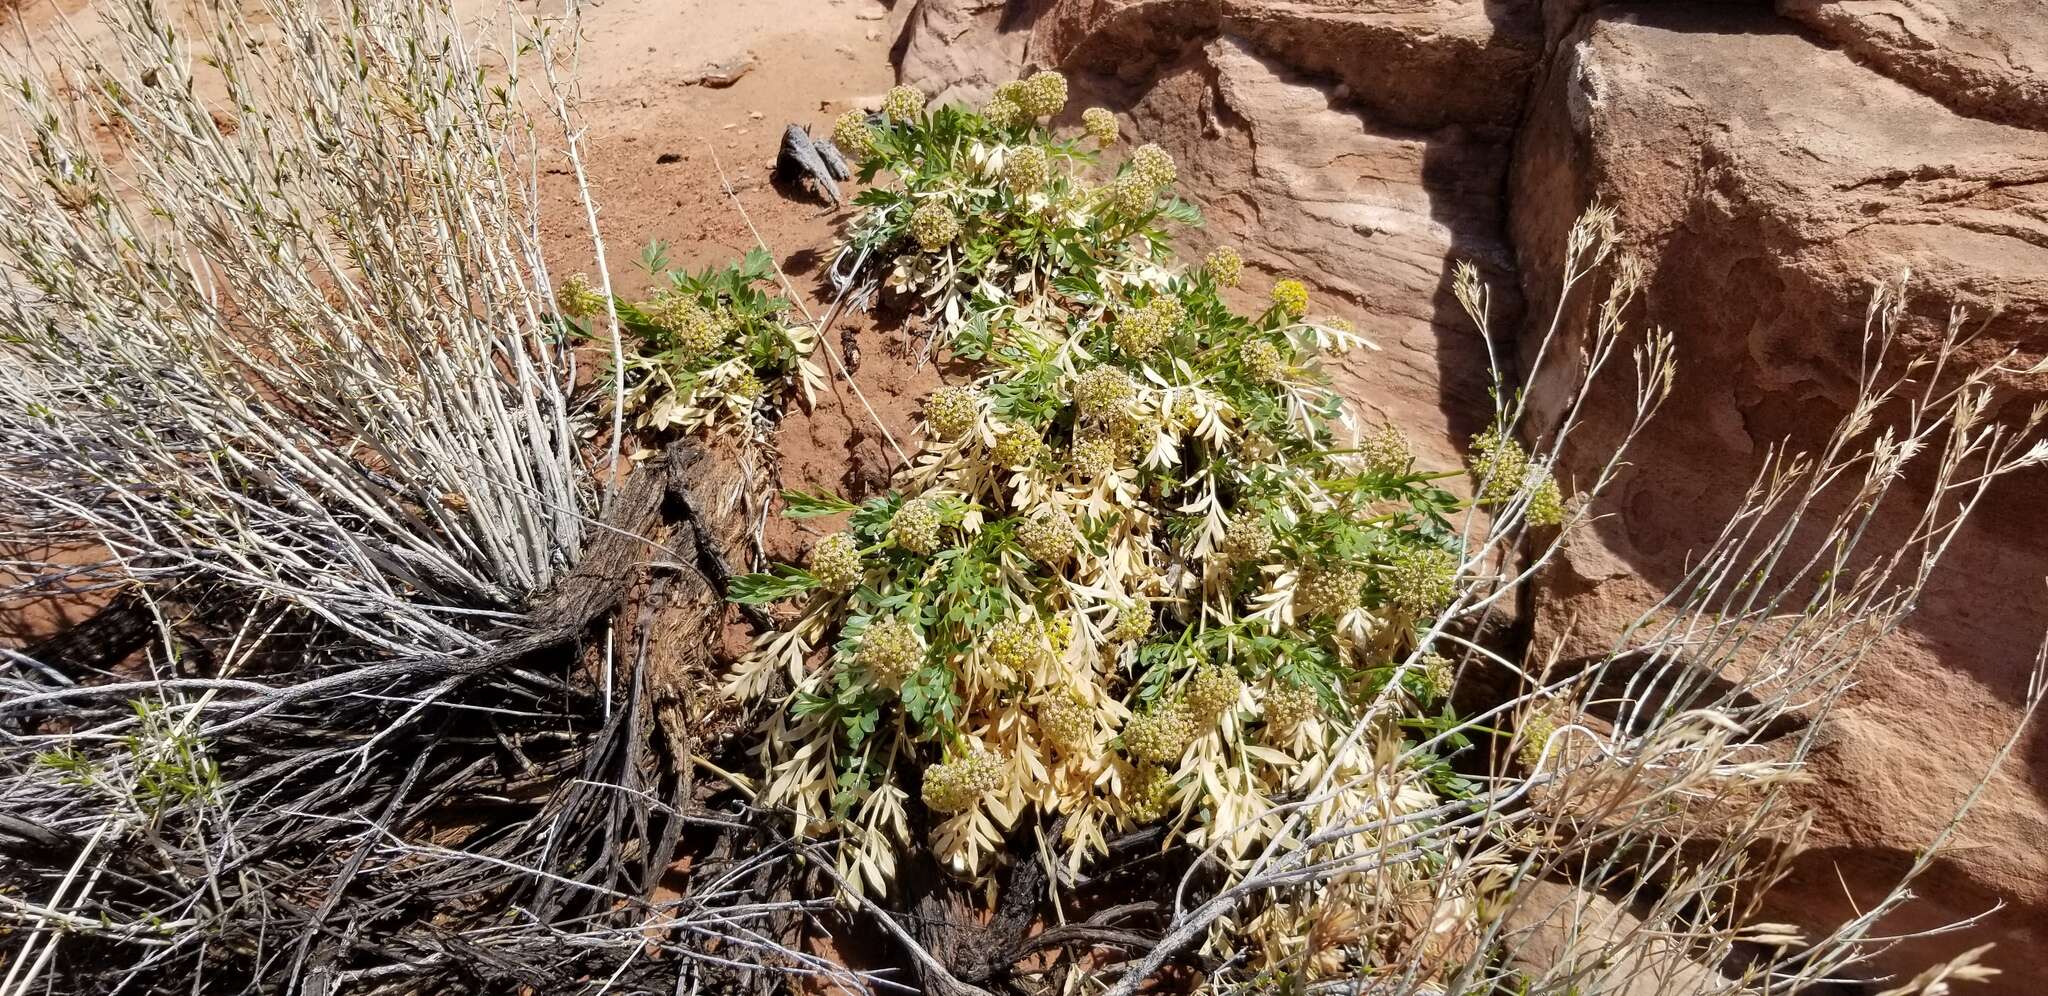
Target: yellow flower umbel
(853, 136)
(1025, 170)
(695, 331)
(957, 784)
(1535, 733)
(1225, 265)
(1262, 360)
(933, 226)
(1133, 622)
(1004, 112)
(1154, 166)
(1289, 705)
(1019, 646)
(1385, 450)
(1328, 590)
(889, 651)
(746, 387)
(1017, 445)
(1102, 392)
(1291, 297)
(1248, 539)
(915, 526)
(1437, 676)
(577, 298)
(1048, 539)
(1130, 194)
(1097, 454)
(1149, 794)
(1101, 125)
(1068, 723)
(836, 563)
(1161, 735)
(1043, 95)
(1140, 332)
(903, 103)
(1499, 466)
(1212, 692)
(1546, 503)
(1421, 579)
(951, 412)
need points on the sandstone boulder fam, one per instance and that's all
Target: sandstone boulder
(1768, 184)
(1556, 936)
(1987, 58)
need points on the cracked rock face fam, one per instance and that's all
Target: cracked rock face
(1769, 165)
(1769, 183)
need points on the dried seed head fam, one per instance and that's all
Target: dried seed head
(915, 526)
(903, 103)
(1225, 265)
(1291, 297)
(933, 226)
(836, 563)
(1047, 538)
(951, 412)
(889, 651)
(957, 784)
(1101, 125)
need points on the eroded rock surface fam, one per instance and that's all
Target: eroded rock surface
(1987, 58)
(1768, 166)
(1765, 216)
